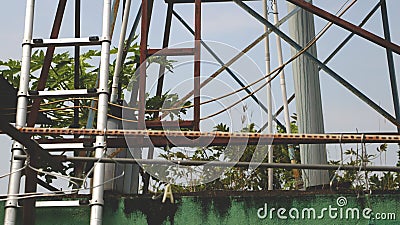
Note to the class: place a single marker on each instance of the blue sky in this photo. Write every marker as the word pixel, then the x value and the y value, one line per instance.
pixel 229 29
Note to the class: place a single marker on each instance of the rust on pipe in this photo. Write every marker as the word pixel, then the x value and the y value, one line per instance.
pixel 121 142
pixel 156 124
pixel 222 138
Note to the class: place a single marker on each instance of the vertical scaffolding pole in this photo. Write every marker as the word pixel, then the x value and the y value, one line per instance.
pixel 283 90
pixel 390 61
pixel 17 148
pixel 112 170
pixel 197 58
pixel 308 97
pixel 75 123
pixel 30 175
pixel 93 104
pixel 97 201
pixel 44 73
pixel 269 99
pixel 120 59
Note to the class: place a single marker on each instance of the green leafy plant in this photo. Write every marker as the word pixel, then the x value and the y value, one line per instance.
pixel 236 178
pixel 166 101
pixel 61 77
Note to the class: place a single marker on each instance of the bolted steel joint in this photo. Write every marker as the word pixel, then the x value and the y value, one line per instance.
pixel 26 42
pixel 17 146
pixel 96 202
pixel 13 203
pixel 105 39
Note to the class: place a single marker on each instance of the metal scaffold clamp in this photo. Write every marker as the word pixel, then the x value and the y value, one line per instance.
pixel 96 202
pixel 168 194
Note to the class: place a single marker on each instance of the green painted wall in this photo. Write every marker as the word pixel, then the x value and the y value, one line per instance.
pixel 213 208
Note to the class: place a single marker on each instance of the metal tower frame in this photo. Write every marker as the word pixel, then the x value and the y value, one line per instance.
pixel 27 152
pixel 24 94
